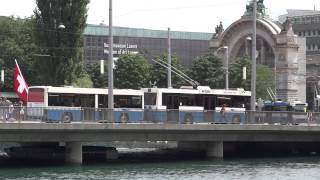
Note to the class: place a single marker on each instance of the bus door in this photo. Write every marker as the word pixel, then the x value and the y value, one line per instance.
pixel 87 103
pixel 209 102
pixel 209 107
pixel 172 108
pixel 172 102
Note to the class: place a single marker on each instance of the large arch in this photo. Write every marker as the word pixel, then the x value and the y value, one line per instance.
pixel 235 37
pixel 277 46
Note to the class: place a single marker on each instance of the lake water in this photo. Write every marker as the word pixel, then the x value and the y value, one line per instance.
pixel 262 168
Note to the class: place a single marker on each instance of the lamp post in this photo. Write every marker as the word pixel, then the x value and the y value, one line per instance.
pixel 253 70
pixel 110 66
pixel 226 54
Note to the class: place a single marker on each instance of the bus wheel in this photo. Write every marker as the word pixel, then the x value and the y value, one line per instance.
pixel 124 118
pixel 236 119
pixel 67 117
pixel 188 119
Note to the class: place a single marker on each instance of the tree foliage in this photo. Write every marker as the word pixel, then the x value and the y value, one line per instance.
pixel 16 42
pixel 208 71
pixel 265 77
pixel 84 82
pixel 159 74
pixel 63 45
pixel 131 71
pixel 236 74
pixel 99 80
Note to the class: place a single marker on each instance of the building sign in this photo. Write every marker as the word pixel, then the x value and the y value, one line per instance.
pixel 119 49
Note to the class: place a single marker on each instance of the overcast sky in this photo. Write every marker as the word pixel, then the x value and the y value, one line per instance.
pixel 179 15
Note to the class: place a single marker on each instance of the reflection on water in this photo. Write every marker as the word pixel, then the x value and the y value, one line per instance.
pixel 264 168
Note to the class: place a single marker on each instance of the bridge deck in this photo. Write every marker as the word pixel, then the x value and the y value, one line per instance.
pixel 100 132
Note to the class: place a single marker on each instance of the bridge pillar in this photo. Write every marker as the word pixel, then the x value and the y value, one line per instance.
pixel 74 152
pixel 215 150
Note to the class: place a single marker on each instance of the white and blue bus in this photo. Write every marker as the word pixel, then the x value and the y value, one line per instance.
pixel 69 104
pixel 199 105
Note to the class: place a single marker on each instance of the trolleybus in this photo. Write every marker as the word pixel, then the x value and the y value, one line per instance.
pixel 66 104
pixel 199 105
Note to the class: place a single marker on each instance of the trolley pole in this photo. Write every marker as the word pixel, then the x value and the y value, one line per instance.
pixel 110 66
pixel 169 59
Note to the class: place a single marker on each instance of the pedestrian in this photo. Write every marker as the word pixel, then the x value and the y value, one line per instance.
pixel 20 111
pixel 2 108
pixel 223 113
pixel 8 109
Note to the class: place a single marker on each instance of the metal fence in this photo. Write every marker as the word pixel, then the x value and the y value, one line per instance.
pixel 18 114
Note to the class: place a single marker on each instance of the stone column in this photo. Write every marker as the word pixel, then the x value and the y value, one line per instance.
pixel 290 63
pixel 74 152
pixel 215 150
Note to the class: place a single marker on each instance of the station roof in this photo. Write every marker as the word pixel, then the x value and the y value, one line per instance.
pixel 103 30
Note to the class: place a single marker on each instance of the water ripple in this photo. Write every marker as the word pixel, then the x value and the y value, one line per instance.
pixel 250 169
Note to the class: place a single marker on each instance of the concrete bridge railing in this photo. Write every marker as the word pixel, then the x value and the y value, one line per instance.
pixel 134 115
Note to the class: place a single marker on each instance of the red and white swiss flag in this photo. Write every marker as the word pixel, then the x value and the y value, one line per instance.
pixel 19 84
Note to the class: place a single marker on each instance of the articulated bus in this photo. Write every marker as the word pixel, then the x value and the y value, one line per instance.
pixel 159 105
pixel 66 104
pixel 201 105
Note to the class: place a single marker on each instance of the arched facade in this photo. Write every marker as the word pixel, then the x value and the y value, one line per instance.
pixel 277 47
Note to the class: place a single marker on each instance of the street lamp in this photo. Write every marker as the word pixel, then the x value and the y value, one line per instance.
pixel 110 66
pixel 253 65
pixel 247 44
pixel 226 52
pixel 61 26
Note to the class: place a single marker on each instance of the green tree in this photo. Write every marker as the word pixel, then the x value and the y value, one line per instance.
pixel 265 79
pixel 208 71
pixel 64 45
pixel 131 71
pixel 99 80
pixel 236 73
pixel 84 82
pixel 16 42
pixel 159 74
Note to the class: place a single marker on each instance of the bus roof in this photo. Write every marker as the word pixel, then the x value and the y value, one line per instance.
pixel 229 92
pixel 70 90
pixel 171 90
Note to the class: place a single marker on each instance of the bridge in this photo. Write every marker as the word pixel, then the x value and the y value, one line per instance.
pixel 206 136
